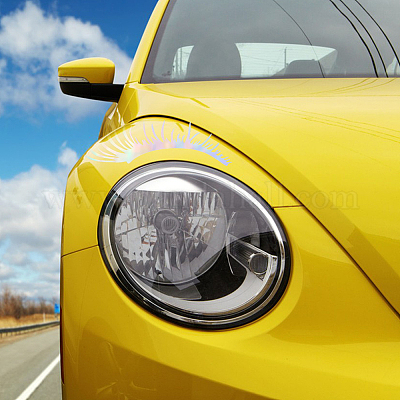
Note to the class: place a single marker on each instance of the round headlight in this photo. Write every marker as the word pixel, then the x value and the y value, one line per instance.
pixel 194 245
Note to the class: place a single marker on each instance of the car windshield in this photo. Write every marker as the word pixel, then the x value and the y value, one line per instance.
pixel 253 39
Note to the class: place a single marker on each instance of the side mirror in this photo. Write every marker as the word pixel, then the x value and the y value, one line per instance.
pixel 90 78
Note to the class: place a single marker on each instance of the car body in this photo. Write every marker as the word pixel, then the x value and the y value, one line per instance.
pixel 309 149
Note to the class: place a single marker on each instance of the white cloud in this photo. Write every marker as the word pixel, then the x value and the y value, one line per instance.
pixel 67 157
pixel 34 43
pixel 5 271
pixel 31 226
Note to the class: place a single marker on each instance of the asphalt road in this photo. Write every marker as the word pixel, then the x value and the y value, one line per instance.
pixel 23 360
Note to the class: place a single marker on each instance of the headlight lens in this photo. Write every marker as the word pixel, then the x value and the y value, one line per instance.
pixel 194 245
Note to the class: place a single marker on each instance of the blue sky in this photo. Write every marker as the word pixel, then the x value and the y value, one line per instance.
pixel 123 23
pixel 44 132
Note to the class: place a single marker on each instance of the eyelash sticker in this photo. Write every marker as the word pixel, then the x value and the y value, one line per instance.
pixel 127 147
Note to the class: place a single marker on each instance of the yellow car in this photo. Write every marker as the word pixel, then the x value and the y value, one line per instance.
pixel 235 231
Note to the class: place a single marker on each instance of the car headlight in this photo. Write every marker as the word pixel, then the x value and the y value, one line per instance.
pixel 194 245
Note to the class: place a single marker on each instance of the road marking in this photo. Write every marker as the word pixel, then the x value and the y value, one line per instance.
pixel 35 384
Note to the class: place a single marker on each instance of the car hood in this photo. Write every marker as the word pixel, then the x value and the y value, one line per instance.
pixel 333 143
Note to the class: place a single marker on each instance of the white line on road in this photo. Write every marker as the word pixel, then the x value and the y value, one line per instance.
pixel 35 384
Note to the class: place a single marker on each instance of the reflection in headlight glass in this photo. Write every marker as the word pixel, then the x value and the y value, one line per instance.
pixel 170 237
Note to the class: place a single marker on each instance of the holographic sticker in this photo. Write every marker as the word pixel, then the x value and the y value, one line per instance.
pixel 126 148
